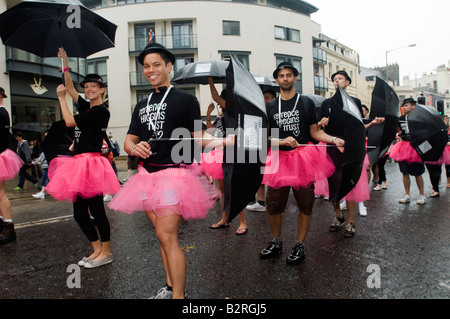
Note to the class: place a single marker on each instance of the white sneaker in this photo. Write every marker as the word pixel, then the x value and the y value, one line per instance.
pixel 421 200
pixel 107 198
pixel 256 207
pixel 343 205
pixel 39 195
pixel 405 200
pixel 125 179
pixel 362 209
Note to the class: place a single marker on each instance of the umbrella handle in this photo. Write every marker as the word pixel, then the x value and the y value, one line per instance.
pixel 62 71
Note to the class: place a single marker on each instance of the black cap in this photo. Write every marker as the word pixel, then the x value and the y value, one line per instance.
pixel 156 48
pixel 2 92
pixel 93 78
pixel 342 72
pixel 409 100
pixel 284 65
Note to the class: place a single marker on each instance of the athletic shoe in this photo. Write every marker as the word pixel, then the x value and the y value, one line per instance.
pixel 107 198
pixel 405 200
pixel 343 205
pixel 362 209
pixel 256 207
pixel 349 230
pixel 297 255
pixel 163 293
pixel 18 188
pixel 421 200
pixel 39 195
pixel 337 224
pixel 274 249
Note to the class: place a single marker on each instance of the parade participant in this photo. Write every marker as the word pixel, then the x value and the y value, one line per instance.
pixel 24 152
pixel 332 117
pixel 407 157
pixel 212 161
pixel 87 176
pixel 292 165
pixel 10 164
pixel 166 188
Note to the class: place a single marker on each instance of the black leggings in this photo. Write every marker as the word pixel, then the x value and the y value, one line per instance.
pixel 381 171
pixel 435 174
pixel 81 209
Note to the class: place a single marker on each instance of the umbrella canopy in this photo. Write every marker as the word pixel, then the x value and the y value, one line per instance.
pixel 42 26
pixel 355 146
pixel 198 72
pixel 317 99
pixel 428 132
pixel 266 82
pixel 245 113
pixel 58 140
pixel 26 127
pixel 385 103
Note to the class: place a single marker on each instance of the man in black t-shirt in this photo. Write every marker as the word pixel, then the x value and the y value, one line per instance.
pixel 294 116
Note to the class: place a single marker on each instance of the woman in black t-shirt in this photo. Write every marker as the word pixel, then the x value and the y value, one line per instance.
pixel 87 176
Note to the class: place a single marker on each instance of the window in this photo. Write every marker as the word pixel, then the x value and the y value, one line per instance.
pixel 142 34
pixel 98 66
pixel 182 34
pixel 181 61
pixel 288 34
pixel 243 57
pixel 297 63
pixel 231 27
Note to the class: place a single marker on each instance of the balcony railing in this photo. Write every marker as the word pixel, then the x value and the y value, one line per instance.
pixel 181 42
pixel 319 55
pixel 320 83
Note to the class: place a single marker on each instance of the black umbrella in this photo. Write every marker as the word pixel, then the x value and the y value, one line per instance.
pixel 385 103
pixel 245 113
pixel 266 82
pixel 21 126
pixel 58 140
pixel 42 26
pixel 198 72
pixel 428 132
pixel 355 148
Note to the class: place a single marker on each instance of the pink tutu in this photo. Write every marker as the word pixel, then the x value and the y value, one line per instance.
pixel 87 175
pixel 184 190
pixel 445 158
pixel 211 164
pixel 298 168
pixel 321 188
pixel 404 152
pixel 10 164
pixel 361 191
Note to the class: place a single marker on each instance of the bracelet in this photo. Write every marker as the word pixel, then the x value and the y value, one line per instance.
pixel 333 140
pixel 132 149
pixel 65 69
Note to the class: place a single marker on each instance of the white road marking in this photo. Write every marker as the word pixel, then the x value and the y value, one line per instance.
pixel 43 221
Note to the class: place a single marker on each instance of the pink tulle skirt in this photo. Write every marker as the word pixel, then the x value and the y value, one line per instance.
pixel 361 191
pixel 445 158
pixel 10 164
pixel 404 152
pixel 183 191
pixel 211 164
pixel 298 168
pixel 87 175
pixel 321 188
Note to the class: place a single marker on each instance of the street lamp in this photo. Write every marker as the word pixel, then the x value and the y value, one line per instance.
pixel 387 65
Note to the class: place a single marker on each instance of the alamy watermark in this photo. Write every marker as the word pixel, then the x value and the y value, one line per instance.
pixel 374 279
pixel 74 19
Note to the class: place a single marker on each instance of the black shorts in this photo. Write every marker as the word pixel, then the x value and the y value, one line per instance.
pixel 276 199
pixel 133 162
pixel 413 169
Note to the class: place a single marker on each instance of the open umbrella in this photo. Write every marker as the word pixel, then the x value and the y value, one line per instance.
pixel 42 26
pixel 355 148
pixel 58 140
pixel 428 132
pixel 385 103
pixel 266 82
pixel 245 113
pixel 21 126
pixel 198 72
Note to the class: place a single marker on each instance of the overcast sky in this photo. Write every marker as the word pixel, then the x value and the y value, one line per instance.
pixel 373 27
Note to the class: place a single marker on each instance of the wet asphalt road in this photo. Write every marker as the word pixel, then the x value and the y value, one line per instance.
pixel 408 244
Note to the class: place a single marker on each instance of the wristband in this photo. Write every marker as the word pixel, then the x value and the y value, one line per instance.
pixel 132 149
pixel 65 69
pixel 333 140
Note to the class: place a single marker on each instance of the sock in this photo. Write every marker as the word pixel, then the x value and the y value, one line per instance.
pixel 169 287
pixel 277 240
pixel 8 220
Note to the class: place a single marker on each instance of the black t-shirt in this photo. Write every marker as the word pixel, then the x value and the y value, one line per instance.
pixel 4 129
pixel 294 121
pixel 91 127
pixel 332 108
pixel 178 113
pixel 404 129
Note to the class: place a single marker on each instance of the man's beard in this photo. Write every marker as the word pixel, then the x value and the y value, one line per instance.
pixel 287 88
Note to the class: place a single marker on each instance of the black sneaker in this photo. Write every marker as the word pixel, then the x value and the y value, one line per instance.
pixel 274 249
pixel 297 255
pixel 337 224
